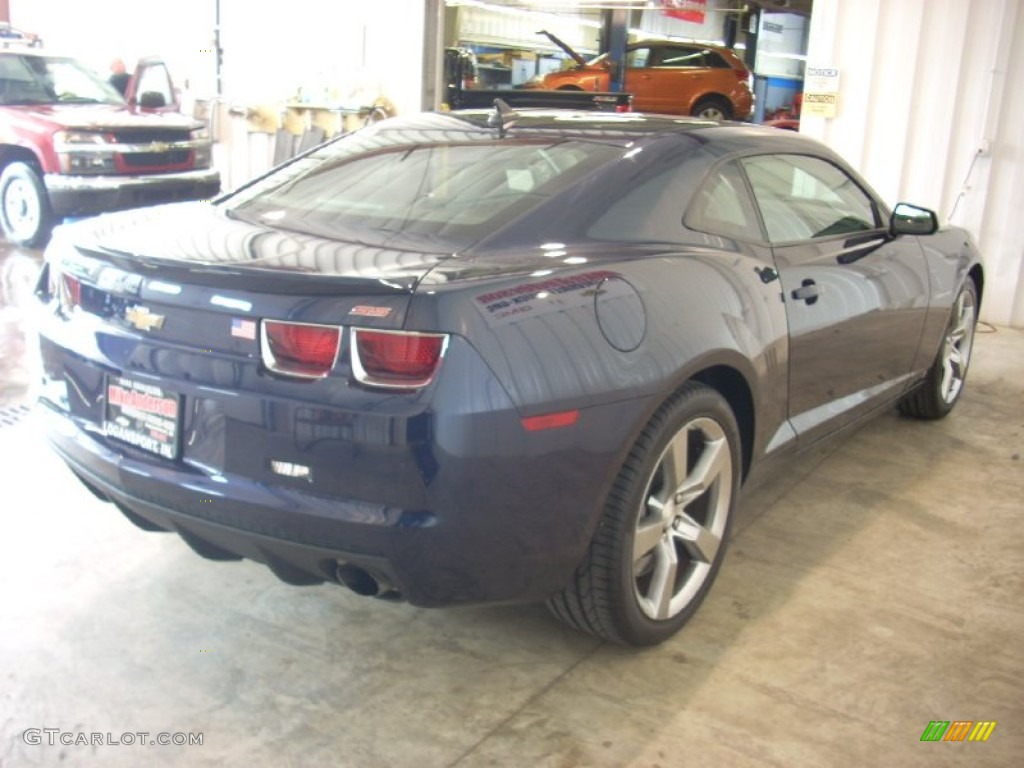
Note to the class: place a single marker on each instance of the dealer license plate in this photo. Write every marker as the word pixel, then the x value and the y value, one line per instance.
pixel 143 415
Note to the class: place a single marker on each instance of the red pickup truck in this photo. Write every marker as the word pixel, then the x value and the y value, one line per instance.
pixel 71 145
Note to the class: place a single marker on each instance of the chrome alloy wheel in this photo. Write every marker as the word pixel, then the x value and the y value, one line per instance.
pixel 956 347
pixel 683 521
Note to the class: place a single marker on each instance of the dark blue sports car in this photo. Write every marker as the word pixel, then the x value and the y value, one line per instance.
pixel 497 356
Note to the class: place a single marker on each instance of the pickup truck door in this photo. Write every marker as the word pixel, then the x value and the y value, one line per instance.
pixel 151 88
pixel 856 297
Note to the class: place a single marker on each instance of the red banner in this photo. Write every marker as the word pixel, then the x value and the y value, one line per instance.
pixel 685 10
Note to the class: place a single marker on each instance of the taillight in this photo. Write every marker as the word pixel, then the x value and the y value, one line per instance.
pixel 623 108
pixel 742 75
pixel 300 349
pixel 396 359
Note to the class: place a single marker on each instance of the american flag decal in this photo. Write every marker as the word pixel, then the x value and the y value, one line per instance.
pixel 243 329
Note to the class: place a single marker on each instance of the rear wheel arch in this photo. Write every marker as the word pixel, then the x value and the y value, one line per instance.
pixel 977 274
pixel 731 384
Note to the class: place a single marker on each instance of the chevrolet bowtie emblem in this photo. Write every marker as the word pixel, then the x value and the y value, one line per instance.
pixel 143 319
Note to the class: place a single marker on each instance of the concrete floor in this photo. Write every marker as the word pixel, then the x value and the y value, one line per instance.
pixel 875 589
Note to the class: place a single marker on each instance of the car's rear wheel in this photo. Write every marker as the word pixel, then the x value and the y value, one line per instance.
pixel 938 393
pixel 664 530
pixel 24 207
pixel 712 108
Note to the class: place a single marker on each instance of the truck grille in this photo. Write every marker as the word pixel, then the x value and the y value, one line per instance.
pixel 156 159
pixel 147 135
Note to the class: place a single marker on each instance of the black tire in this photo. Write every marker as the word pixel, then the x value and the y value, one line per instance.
pixel 25 214
pixel 619 592
pixel 712 108
pixel 936 396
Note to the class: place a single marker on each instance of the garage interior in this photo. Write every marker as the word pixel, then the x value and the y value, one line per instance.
pixel 874 587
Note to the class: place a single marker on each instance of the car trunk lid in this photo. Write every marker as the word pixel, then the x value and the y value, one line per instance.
pixel 203 292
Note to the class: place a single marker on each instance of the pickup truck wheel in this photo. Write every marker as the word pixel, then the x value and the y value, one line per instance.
pixel 712 108
pixel 661 540
pixel 24 207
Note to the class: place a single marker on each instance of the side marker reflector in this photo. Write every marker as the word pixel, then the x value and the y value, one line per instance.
pixel 551 421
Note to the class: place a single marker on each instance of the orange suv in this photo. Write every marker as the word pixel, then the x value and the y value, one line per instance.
pixel 667 77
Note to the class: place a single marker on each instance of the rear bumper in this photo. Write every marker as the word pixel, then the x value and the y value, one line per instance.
pixel 87 195
pixel 449 499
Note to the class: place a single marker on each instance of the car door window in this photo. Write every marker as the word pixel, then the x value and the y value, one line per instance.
pixel 680 57
pixel 803 198
pixel 722 206
pixel 638 57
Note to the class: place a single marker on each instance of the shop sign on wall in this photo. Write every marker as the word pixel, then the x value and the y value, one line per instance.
pixel 821 92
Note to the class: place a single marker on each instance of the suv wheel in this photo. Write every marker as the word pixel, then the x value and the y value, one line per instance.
pixel 712 108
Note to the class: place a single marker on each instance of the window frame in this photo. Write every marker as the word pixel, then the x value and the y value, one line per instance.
pixel 878 208
pixel 694 220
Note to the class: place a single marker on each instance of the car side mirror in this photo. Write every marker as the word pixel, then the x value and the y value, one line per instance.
pixel 908 219
pixel 152 100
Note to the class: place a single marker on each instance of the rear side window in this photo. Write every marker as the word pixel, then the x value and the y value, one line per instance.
pixel 722 206
pixel 802 198
pixel 716 60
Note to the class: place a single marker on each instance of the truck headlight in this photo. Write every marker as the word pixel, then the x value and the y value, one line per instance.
pixel 83 152
pixel 86 162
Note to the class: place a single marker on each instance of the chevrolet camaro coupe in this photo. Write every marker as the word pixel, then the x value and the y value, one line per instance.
pixel 495 355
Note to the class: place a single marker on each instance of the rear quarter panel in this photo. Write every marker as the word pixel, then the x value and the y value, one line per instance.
pixel 628 328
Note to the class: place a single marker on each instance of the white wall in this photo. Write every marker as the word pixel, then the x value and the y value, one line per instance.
pixel 357 48
pixel 98 32
pixel 930 104
pixel 654 21
pixel 353 48
pixel 780 44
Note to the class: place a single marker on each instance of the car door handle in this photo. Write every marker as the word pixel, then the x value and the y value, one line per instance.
pixel 807 292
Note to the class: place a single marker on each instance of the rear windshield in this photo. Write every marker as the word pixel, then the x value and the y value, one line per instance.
pixel 447 195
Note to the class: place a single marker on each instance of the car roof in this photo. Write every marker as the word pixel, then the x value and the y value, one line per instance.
pixel 627 130
pixel 624 127
pixel 679 44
